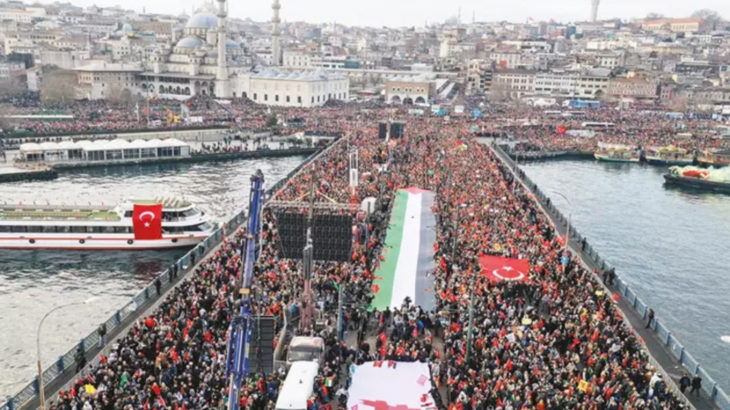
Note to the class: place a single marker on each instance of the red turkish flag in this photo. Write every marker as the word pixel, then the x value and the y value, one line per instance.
pixel 147 221
pixel 562 129
pixel 498 268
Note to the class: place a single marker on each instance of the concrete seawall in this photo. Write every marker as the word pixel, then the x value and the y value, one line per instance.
pixel 37 175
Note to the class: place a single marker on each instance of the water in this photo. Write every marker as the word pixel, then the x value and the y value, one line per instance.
pixel 670 245
pixel 33 282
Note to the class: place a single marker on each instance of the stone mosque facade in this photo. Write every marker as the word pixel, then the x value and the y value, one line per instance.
pixel 205 60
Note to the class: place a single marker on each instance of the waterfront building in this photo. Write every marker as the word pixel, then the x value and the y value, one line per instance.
pixel 296 88
pixel 405 90
pixel 100 80
pixel 593 82
pixel 513 83
pixel 635 87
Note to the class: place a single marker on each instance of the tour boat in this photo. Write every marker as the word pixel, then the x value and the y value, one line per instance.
pixel 669 155
pixel 133 225
pixel 617 153
pixel 717 158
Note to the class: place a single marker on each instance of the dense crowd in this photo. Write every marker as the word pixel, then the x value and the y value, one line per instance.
pixel 554 341
pixel 551 129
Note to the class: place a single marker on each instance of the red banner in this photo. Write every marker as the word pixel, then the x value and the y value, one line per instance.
pixel 498 268
pixel 561 129
pixel 147 221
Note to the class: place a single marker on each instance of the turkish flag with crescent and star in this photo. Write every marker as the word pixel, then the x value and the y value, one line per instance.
pixel 498 268
pixel 147 221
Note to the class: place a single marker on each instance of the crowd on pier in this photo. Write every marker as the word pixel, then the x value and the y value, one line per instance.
pixel 556 340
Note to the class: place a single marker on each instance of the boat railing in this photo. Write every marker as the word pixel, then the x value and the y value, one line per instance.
pixel 671 344
pixel 64 367
pixel 54 207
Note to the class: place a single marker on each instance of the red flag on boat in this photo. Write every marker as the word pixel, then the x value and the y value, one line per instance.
pixel 147 221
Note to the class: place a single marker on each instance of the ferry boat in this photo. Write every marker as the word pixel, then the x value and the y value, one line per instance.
pixel 133 225
pixel 717 180
pixel 714 157
pixel 617 153
pixel 669 155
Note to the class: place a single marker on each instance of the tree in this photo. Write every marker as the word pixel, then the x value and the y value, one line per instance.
pixel 11 86
pixel 119 95
pixel 498 92
pixel 710 18
pixel 58 86
pixel 272 121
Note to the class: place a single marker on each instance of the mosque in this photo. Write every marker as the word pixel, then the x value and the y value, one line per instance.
pixel 207 61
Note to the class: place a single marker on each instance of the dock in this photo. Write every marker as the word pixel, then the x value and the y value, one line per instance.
pixel 10 173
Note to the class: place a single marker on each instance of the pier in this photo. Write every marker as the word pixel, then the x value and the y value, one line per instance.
pixel 13 174
pixel 9 173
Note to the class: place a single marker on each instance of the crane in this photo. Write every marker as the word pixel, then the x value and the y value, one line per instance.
pixel 239 340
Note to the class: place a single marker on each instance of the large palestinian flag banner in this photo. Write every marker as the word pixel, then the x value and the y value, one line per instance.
pixel 408 253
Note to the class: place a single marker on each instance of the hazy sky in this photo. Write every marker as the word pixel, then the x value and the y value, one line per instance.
pixel 417 12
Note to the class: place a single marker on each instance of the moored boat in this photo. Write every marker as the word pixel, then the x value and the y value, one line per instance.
pixel 692 177
pixel 669 155
pixel 616 153
pixel 133 225
pixel 690 182
pixel 714 157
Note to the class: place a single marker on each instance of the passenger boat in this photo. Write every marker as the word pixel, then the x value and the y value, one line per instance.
pixel 617 153
pixel 714 157
pixel 717 180
pixel 669 155
pixel 133 225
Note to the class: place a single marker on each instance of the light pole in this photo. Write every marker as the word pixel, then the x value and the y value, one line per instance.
pixel 570 213
pixel 38 345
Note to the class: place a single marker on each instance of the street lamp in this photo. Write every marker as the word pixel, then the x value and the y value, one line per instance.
pixel 38 345
pixel 570 212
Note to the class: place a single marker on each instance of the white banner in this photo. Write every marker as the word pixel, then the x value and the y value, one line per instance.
pixel 353 178
pixel 388 385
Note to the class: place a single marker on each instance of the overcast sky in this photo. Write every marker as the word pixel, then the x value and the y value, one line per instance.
pixel 417 12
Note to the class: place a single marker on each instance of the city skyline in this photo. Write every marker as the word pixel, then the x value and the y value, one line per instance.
pixel 418 13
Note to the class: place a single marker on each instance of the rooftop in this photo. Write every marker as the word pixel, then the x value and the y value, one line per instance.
pixel 17 214
pixel 112 67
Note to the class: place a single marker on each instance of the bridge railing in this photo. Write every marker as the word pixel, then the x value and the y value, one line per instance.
pixel 142 301
pixel 719 397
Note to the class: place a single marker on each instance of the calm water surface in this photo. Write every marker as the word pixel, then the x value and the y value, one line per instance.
pixel 33 282
pixel 670 245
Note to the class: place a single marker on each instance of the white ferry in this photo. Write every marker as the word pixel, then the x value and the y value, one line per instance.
pixel 25 226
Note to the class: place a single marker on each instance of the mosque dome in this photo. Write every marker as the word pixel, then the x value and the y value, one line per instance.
pixel 232 44
pixel 190 42
pixel 203 19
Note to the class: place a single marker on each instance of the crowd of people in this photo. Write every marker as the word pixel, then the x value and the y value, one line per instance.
pixel 550 129
pixel 556 340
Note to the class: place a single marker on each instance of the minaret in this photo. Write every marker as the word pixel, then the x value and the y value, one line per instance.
pixel 222 89
pixel 594 10
pixel 276 54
